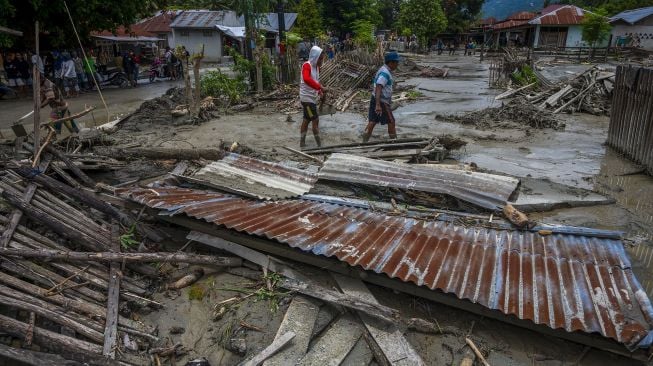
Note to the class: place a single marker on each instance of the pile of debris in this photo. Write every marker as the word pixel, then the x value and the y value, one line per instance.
pixel 516 113
pixel 590 92
pixel 74 284
pixel 410 68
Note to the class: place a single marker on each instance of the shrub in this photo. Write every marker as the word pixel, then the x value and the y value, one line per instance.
pixel 219 85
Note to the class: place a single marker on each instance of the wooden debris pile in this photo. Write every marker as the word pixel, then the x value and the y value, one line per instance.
pixel 74 275
pixel 517 113
pixel 410 68
pixel 408 148
pixel 589 92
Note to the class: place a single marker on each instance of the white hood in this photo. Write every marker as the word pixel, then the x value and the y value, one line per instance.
pixel 314 55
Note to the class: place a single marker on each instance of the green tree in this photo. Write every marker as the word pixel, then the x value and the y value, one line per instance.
pixel 461 14
pixel 309 22
pixel 424 18
pixel 364 33
pixel 88 15
pixel 342 15
pixel 389 10
pixel 6 12
pixel 596 28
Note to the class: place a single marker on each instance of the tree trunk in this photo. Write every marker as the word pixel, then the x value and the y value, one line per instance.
pixel 197 96
pixel 126 257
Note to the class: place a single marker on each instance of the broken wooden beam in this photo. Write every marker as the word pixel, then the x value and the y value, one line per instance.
pixel 299 319
pixel 163 257
pixel 73 168
pixel 17 214
pixel 390 339
pixel 86 198
pixel 270 350
pixel 113 298
pixel 160 153
pixel 335 344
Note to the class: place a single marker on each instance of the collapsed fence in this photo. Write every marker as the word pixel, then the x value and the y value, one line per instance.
pixel 631 121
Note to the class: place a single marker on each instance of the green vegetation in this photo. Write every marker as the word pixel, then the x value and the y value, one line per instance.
pixel 309 22
pixel 424 18
pixel 196 292
pixel 219 85
pixel 596 28
pixel 524 76
pixel 413 94
pixel 364 34
pixel 128 239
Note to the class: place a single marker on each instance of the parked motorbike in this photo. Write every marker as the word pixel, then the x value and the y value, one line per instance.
pixel 156 72
pixel 114 77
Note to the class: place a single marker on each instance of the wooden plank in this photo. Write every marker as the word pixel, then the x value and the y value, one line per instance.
pixel 360 354
pixel 390 339
pixel 270 350
pixel 113 302
pixel 17 214
pixel 299 319
pixel 335 344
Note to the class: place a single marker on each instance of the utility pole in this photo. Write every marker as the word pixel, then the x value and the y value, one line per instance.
pixel 282 30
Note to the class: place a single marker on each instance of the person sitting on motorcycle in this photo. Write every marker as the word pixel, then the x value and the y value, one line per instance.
pixel 155 68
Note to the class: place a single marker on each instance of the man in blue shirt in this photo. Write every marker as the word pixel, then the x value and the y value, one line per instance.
pixel 380 110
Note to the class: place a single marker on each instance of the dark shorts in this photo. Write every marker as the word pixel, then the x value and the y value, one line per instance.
pixel 310 111
pixel 384 118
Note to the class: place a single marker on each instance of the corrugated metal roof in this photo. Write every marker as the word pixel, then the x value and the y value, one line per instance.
pixel 254 178
pixel 509 24
pixel 484 190
pixel 633 16
pixel 571 282
pixel 206 19
pixel 228 18
pixel 565 15
pixel 522 15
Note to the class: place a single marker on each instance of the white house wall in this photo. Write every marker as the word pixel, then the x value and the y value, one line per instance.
pixel 194 40
pixel 574 36
pixel 643 31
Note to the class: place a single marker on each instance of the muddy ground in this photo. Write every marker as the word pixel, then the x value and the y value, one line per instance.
pixel 553 163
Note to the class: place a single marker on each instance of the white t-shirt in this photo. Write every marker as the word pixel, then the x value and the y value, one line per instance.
pixel 68 69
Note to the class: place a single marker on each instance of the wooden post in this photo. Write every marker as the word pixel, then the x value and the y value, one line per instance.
pixel 36 86
pixel 113 302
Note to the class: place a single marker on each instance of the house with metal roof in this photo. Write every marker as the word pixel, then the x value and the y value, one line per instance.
pixel 633 28
pixel 216 29
pixel 559 26
pixel 514 30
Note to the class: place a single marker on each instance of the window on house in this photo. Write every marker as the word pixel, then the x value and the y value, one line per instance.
pixel 184 33
pixel 208 33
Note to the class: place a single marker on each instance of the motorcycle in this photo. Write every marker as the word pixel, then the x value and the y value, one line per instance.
pixel 114 77
pixel 156 72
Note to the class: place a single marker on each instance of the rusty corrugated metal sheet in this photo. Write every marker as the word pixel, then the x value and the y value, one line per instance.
pixel 565 15
pixel 522 15
pixel 254 178
pixel 484 190
pixel 509 24
pixel 571 282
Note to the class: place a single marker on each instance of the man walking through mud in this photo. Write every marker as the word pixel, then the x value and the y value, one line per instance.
pixel 380 104
pixel 309 91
